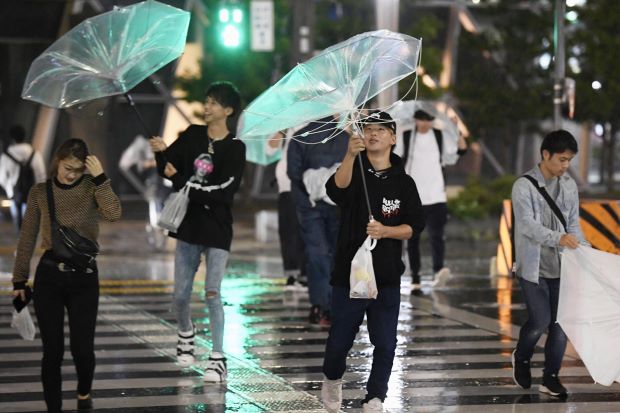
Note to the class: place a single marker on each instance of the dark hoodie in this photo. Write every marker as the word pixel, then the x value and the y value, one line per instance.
pixel 394 200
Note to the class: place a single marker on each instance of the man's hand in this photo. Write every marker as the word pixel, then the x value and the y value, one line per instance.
pixel 157 144
pixel 569 241
pixel 356 145
pixel 93 165
pixel 376 230
pixel 170 170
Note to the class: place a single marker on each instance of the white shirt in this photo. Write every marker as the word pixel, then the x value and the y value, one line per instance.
pixel 9 170
pixel 424 166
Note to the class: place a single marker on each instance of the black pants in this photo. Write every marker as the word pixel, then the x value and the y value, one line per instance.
pixel 436 218
pixel 291 243
pixel 79 293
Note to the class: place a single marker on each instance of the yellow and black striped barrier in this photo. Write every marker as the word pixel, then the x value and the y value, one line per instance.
pixel 598 219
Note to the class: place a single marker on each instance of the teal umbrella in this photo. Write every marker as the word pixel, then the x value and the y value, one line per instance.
pixel 107 55
pixel 341 79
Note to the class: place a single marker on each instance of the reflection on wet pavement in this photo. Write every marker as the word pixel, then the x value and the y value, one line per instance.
pixel 453 350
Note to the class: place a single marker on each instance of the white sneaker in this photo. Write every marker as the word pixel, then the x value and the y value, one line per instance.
pixel 185 348
pixel 373 406
pixel 331 394
pixel 216 371
pixel 295 284
pixel 441 278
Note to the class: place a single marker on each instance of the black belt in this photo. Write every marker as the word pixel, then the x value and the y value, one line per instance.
pixel 62 267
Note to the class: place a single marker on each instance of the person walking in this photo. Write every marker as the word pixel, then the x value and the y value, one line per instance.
pixel 313 151
pixel 425 154
pixel 19 158
pixel 80 199
pixel 397 214
pixel 291 243
pixel 545 202
pixel 210 162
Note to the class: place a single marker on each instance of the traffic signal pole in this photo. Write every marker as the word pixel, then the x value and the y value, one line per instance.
pixel 559 62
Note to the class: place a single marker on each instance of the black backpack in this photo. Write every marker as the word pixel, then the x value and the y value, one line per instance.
pixel 25 179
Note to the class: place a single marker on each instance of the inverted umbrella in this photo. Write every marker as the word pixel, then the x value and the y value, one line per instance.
pixel 589 310
pixel 340 79
pixel 107 55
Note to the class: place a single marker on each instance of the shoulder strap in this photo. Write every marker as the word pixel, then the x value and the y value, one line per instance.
pixel 406 144
pixel 30 158
pixel 550 201
pixel 439 138
pixel 50 201
pixel 11 157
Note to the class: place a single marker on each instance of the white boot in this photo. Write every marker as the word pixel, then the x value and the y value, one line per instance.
pixel 373 406
pixel 331 394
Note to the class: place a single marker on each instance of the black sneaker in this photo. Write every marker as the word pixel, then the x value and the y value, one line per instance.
pixel 521 373
pixel 551 385
pixel 85 404
pixel 315 315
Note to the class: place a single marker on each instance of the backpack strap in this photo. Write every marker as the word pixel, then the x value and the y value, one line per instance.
pixel 407 144
pixel 549 200
pixel 439 138
pixel 11 157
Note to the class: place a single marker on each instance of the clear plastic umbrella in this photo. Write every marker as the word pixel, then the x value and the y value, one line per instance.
pixel 107 54
pixel 341 79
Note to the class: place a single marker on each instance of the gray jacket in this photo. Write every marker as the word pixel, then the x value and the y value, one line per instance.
pixel 528 205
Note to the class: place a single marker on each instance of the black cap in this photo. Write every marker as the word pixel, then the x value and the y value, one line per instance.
pixel 423 115
pixel 383 118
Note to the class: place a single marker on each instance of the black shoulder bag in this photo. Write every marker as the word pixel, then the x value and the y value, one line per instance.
pixel 68 246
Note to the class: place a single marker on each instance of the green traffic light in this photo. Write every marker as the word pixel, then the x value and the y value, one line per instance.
pixel 231 36
pixel 224 15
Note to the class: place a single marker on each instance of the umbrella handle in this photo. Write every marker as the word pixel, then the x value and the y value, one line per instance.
pixel 140 118
pixel 359 158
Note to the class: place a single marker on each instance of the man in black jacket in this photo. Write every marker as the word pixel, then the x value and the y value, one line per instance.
pixel 397 214
pixel 210 163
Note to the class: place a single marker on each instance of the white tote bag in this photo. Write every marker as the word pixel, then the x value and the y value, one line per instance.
pixel 362 278
pixel 22 321
pixel 174 210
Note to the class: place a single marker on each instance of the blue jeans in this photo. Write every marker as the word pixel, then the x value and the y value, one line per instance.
pixel 186 262
pixel 17 213
pixel 319 231
pixel 542 306
pixel 382 321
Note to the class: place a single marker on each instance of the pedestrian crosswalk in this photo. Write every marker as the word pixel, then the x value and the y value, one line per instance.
pixel 443 363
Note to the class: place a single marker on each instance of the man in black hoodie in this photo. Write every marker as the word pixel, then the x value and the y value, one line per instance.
pixel 397 214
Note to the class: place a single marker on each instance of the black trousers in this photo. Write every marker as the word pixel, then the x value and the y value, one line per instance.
pixel 291 243
pixel 55 290
pixel 436 219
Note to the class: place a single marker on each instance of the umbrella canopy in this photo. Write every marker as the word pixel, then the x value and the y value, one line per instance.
pixel 340 79
pixel 107 55
pixel 589 310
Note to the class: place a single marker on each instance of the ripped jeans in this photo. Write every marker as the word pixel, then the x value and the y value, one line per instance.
pixel 186 262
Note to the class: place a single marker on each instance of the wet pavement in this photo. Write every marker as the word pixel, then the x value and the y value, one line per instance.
pixel 453 353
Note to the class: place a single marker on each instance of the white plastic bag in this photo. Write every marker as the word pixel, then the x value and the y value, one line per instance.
pixel 22 321
pixel 362 279
pixel 174 210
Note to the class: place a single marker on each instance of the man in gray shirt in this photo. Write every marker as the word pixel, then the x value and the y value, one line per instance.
pixel 539 237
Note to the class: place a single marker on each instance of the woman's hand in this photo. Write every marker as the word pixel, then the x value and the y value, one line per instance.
pixel 93 165
pixel 21 294
pixel 170 170
pixel 157 144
